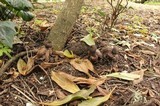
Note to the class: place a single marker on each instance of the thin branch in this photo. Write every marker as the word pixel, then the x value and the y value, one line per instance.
pixel 16 88
pixel 9 62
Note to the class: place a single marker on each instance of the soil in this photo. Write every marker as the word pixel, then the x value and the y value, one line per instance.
pixel 140 50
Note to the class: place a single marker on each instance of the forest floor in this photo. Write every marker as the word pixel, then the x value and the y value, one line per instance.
pixel 132 47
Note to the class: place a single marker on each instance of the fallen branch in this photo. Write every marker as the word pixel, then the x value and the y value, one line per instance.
pixel 9 62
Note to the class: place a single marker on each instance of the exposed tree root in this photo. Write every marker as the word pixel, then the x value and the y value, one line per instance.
pixel 9 62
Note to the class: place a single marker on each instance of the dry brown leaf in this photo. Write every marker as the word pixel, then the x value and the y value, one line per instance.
pixel 142 61
pixel 47 55
pixel 156 70
pixel 46 65
pixel 46 92
pixel 151 93
pixel 81 80
pixel 15 74
pixel 25 68
pixel 141 73
pixel 30 63
pixel 83 65
pixel 148 52
pixel 60 94
pixel 42 51
pixel 101 90
pixel 64 82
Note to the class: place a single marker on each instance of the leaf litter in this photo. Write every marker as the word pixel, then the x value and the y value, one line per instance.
pixel 137 38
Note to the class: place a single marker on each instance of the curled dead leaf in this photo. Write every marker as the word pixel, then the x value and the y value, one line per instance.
pixel 41 51
pixel 46 65
pixel 83 65
pixel 23 67
pixel 141 73
pixel 81 80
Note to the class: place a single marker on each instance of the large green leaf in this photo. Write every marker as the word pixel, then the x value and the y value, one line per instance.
pixel 19 4
pixel 26 16
pixel 7 32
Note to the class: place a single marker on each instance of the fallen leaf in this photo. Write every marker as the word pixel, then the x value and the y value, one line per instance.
pixel 81 80
pixel 42 24
pixel 97 100
pixel 141 62
pixel 124 76
pixel 88 40
pixel 124 43
pixel 151 93
pixel 41 51
pixel 64 83
pixel 30 63
pixel 83 65
pixel 82 94
pixel 46 65
pixel 156 70
pixel 147 52
pixel 30 104
pixel 68 54
pixel 141 73
pixel 47 54
pixel 23 67
pixel 60 94
pixel 46 92
pixel 101 90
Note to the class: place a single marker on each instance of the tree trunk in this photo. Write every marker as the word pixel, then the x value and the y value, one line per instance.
pixel 64 23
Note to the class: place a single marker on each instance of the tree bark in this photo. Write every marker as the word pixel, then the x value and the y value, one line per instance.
pixel 64 23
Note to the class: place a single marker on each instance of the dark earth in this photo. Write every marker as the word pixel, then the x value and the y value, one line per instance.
pixel 130 46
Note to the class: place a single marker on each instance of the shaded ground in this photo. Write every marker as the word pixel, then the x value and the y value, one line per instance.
pixel 136 40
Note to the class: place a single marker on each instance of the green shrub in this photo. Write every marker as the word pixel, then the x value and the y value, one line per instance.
pixel 8 10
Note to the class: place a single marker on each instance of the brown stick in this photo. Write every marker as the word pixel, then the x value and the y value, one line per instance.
pixel 9 62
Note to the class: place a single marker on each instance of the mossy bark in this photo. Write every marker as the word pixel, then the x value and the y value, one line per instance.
pixel 64 23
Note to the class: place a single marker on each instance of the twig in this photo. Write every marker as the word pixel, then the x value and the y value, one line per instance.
pixel 15 87
pixel 24 99
pixel 9 62
pixel 25 84
pixel 47 76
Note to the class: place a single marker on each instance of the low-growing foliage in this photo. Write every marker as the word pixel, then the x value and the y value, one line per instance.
pixel 8 10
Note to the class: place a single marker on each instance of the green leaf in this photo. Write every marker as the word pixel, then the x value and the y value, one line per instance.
pixel 96 101
pixel 88 40
pixel 124 76
pixel 5 50
pixel 26 16
pixel 68 54
pixel 82 94
pixel 19 4
pixel 7 32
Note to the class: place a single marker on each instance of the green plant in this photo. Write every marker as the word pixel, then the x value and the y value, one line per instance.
pixel 11 8
pixel 4 50
pixel 8 10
